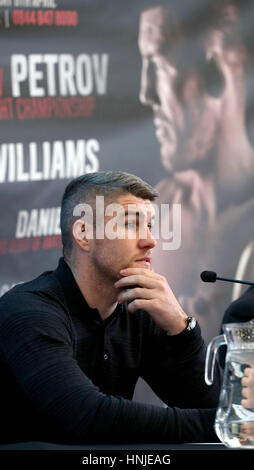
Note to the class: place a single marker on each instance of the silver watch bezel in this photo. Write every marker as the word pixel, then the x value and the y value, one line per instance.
pixel 190 323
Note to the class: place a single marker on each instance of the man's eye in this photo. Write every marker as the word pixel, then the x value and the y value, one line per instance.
pixel 132 224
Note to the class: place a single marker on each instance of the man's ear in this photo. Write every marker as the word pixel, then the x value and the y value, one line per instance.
pixel 80 234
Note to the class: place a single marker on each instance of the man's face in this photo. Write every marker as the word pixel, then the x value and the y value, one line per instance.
pixel 128 250
pixel 185 116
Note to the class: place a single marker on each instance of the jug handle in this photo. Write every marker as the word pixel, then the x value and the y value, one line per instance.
pixel 211 352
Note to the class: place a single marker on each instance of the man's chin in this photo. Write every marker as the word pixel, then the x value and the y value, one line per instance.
pixel 167 162
pixel 168 156
pixel 173 162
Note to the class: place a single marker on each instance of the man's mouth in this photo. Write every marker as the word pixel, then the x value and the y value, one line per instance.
pixel 146 260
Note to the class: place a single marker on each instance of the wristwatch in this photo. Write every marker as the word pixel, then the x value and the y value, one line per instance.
pixel 190 323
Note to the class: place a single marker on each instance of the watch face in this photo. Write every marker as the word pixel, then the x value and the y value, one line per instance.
pixel 191 323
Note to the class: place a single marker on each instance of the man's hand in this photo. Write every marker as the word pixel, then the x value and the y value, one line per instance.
pixel 151 293
pixel 248 387
pixel 247 433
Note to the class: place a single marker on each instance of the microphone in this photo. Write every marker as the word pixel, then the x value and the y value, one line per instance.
pixel 211 276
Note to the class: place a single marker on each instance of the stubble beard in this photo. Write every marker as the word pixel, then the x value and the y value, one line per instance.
pixel 105 271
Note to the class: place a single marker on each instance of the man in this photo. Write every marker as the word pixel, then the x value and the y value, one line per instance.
pixel 74 341
pixel 195 58
pixel 242 308
pixel 245 269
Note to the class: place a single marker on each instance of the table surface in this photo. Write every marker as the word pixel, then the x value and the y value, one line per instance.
pixel 34 445
pixel 152 455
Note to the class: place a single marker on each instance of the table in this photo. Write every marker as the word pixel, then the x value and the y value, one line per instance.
pixel 120 456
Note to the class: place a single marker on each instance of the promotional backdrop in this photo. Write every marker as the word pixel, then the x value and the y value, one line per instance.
pixel 159 89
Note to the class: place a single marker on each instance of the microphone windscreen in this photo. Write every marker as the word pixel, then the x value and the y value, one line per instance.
pixel 208 276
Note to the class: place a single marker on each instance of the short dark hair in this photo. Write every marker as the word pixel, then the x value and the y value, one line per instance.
pixel 84 189
pixel 234 18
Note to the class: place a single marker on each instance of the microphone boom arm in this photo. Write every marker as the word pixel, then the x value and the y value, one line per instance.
pixel 211 276
pixel 235 280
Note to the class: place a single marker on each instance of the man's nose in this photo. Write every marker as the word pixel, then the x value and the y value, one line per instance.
pixel 147 241
pixel 147 94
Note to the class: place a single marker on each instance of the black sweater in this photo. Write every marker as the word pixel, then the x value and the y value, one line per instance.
pixel 68 376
